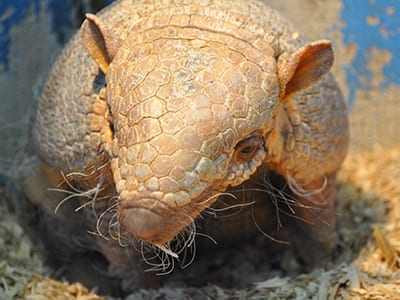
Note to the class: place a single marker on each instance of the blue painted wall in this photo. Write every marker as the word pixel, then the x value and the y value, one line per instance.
pixel 15 11
pixel 11 13
pixel 382 33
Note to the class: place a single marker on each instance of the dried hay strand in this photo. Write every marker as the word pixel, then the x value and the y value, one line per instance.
pixel 367 265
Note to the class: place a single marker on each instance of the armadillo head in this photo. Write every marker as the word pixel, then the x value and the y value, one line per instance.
pixel 191 112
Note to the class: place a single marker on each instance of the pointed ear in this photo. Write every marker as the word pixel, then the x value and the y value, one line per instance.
pixel 101 43
pixel 299 70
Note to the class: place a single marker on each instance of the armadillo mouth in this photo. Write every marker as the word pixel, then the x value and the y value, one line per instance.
pixel 143 223
pixel 149 220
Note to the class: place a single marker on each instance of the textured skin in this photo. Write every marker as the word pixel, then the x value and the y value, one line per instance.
pixel 189 85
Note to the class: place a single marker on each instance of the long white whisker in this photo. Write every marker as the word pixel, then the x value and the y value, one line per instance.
pixel 63 201
pixel 69 184
pixel 167 251
pixel 241 205
pixel 216 196
pixel 208 237
pixel 184 266
pixel 262 231
pixel 300 191
pixel 99 220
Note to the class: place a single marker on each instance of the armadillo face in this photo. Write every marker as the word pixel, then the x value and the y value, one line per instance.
pixel 190 118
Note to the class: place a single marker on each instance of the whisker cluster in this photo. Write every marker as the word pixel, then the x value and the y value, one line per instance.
pixel 162 258
pixel 182 249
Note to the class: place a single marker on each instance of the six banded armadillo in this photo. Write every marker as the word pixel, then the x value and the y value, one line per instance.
pixel 157 107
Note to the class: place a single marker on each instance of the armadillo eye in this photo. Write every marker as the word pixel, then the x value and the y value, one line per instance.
pixel 247 148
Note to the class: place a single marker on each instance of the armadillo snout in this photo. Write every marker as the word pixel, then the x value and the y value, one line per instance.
pixel 143 223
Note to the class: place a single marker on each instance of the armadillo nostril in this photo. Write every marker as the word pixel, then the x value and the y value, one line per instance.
pixel 142 223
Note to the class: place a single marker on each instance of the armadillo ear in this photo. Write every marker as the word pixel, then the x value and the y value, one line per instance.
pixel 101 43
pixel 299 70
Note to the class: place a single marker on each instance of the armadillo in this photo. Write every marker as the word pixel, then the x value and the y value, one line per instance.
pixel 155 108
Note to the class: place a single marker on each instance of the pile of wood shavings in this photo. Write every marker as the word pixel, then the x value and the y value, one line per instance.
pixel 368 262
pixel 369 208
pixel 41 288
pixel 378 173
pixel 20 258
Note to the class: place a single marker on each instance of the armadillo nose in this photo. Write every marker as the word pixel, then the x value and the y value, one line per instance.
pixel 142 223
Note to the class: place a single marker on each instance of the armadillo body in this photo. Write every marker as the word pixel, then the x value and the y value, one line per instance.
pixel 157 107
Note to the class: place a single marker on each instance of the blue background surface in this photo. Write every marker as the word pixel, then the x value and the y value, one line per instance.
pixel 15 11
pixel 354 15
